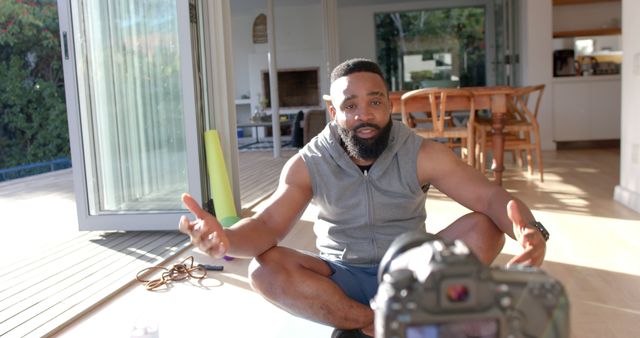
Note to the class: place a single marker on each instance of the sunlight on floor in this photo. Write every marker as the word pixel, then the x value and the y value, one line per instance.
pixel 593 250
pixel 578 235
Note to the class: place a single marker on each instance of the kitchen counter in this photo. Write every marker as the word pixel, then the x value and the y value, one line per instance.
pixel 590 78
pixel 586 108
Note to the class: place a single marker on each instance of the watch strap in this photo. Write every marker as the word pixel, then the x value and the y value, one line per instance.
pixel 541 228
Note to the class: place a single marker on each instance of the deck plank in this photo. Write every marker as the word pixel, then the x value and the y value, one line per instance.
pixel 64 272
pixel 259 174
pixel 78 302
pixel 48 286
pixel 63 294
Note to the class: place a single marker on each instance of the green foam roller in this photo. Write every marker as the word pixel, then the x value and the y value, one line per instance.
pixel 229 221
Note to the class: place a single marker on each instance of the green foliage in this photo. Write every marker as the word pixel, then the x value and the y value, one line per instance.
pixel 33 119
pixel 422 75
pixel 458 31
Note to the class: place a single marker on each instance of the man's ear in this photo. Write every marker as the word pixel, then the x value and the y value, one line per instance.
pixel 332 112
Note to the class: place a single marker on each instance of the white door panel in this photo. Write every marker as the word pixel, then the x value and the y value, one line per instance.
pixel 131 106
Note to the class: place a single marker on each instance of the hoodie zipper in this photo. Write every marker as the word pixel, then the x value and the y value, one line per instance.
pixel 370 211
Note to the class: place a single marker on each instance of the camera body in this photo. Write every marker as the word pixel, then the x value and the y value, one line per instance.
pixel 431 288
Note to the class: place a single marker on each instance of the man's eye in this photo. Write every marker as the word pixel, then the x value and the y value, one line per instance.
pixel 376 102
pixel 349 107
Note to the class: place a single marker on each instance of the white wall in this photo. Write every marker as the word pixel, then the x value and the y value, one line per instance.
pixel 299 44
pixel 628 191
pixel 536 59
pixel 241 30
pixel 587 16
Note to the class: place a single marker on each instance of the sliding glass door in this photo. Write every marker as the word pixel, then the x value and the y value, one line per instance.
pixel 506 41
pixel 131 106
pixel 437 47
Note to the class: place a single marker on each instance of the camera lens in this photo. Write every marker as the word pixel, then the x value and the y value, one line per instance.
pixel 457 293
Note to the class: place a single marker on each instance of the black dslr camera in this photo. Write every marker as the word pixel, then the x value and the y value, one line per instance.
pixel 431 288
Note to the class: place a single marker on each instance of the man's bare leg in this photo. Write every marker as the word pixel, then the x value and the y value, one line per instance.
pixel 300 284
pixel 479 233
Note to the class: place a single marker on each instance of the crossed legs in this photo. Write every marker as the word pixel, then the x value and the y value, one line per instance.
pixel 299 283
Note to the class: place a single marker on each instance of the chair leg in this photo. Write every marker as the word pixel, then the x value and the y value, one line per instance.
pixel 464 150
pixel 529 161
pixel 470 145
pixel 513 156
pixel 476 150
pixel 539 155
pixel 517 157
pixel 483 152
pixel 478 155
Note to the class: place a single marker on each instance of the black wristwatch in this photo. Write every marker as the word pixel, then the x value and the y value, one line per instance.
pixel 541 228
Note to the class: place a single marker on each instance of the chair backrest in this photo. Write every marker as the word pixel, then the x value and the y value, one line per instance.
pixel 521 102
pixel 438 104
pixel 313 123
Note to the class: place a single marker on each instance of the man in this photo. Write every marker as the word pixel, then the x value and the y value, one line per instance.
pixel 367 175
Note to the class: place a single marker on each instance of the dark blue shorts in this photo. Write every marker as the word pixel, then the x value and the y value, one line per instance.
pixel 359 283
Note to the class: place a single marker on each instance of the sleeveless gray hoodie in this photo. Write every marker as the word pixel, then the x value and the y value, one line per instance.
pixel 360 213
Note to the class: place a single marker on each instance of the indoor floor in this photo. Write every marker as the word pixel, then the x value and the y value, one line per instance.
pixel 592 250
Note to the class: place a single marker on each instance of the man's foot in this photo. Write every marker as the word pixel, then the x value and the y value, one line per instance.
pixel 352 333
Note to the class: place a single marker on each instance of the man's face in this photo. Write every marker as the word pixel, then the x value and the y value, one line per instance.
pixel 362 111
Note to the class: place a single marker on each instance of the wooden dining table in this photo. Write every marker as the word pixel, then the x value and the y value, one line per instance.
pixel 493 99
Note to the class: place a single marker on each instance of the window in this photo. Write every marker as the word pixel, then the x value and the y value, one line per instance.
pixel 584 46
pixel 432 48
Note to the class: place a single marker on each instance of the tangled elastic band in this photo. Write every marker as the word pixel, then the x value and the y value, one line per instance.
pixel 179 271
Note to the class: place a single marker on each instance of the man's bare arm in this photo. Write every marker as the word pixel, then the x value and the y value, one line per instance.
pixel 438 165
pixel 260 232
pixel 254 235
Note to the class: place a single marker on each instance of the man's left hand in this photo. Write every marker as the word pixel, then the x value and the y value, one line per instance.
pixel 530 238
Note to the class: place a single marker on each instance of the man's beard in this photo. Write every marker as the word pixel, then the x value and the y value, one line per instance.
pixel 365 149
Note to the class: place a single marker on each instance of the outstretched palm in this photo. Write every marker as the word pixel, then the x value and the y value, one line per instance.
pixel 205 231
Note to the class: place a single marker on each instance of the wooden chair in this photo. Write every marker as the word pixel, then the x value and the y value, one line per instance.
pixel 521 130
pixel 312 124
pixel 437 104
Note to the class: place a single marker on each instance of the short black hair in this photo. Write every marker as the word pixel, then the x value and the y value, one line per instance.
pixel 355 66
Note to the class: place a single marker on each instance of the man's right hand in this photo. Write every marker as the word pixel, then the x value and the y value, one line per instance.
pixel 205 231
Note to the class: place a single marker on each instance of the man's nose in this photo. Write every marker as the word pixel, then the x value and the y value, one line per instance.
pixel 365 114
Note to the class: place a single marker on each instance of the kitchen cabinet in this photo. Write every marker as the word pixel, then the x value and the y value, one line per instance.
pixel 587 32
pixel 586 108
pixel 577 2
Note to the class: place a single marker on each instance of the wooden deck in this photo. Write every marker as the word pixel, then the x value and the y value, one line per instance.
pixel 40 294
pixel 51 274
pixel 259 174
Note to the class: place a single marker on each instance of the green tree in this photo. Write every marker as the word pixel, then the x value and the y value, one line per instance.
pixel 33 119
pixel 458 31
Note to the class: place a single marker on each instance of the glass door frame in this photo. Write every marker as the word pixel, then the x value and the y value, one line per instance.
pixel 489 26
pixel 507 44
pixel 153 220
